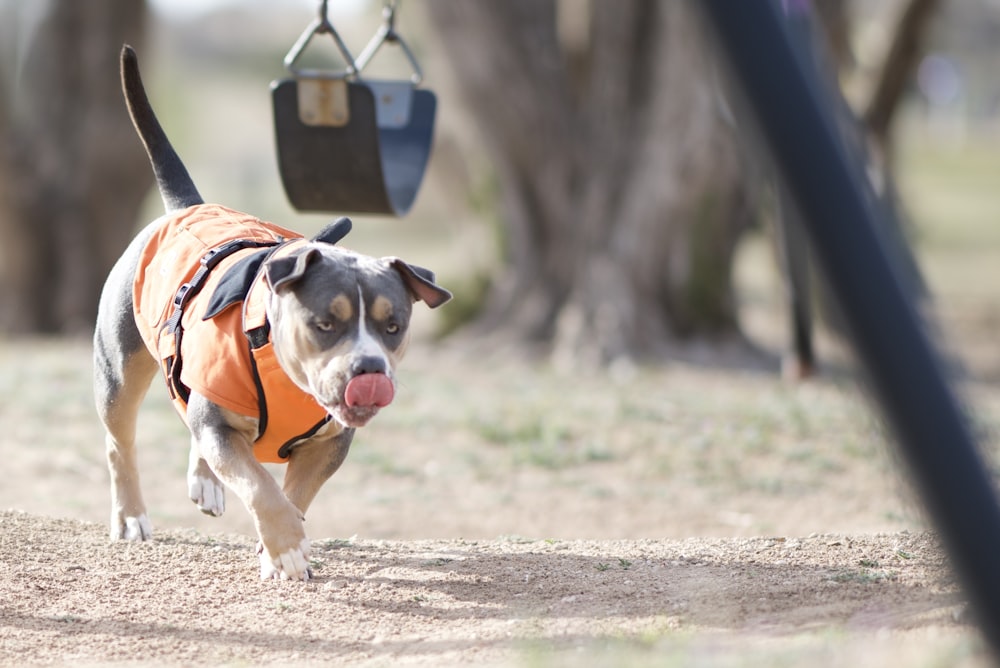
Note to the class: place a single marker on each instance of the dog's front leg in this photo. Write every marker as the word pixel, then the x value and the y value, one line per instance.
pixel 225 441
pixel 204 487
pixel 311 464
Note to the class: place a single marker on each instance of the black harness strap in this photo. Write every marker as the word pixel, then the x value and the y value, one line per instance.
pixel 185 293
pixel 256 338
pixel 285 450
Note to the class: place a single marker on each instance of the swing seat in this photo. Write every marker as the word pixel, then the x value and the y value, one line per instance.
pixel 352 146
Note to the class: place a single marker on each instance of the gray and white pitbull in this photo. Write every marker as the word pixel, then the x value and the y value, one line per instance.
pixel 334 323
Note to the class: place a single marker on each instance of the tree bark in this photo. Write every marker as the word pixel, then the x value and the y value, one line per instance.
pixel 833 17
pixel 73 174
pixel 897 70
pixel 622 191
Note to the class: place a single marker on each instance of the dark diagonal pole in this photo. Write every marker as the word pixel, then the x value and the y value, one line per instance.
pixel 794 111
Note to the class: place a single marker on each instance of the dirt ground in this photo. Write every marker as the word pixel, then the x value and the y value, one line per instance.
pixel 70 597
pixel 499 513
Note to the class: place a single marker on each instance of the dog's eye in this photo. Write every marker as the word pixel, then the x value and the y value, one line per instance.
pixel 325 325
pixel 392 328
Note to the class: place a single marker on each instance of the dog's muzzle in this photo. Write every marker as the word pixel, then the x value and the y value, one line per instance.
pixel 363 397
pixel 369 390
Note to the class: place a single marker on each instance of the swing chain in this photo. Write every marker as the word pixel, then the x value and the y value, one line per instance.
pixel 387 33
pixel 389 8
pixel 353 66
pixel 321 25
pixel 323 14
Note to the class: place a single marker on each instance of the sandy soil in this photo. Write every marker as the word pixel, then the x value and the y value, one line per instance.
pixel 187 598
pixel 499 514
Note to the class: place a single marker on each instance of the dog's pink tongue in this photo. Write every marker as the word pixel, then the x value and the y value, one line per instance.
pixel 369 389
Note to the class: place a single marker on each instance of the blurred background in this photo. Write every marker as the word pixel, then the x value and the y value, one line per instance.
pixel 591 196
pixel 595 199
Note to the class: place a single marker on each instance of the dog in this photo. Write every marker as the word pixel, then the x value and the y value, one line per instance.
pixel 275 348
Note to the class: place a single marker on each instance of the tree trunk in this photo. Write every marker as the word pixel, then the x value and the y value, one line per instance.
pixel 897 71
pixel 833 17
pixel 73 173
pixel 622 192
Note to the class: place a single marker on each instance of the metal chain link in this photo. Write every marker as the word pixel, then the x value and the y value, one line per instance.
pixel 385 33
pixel 321 25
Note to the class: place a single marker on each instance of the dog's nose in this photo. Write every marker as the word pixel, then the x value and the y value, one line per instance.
pixel 368 364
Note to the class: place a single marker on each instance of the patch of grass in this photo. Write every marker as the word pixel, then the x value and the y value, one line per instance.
pixel 468 297
pixel 634 410
pixel 595 452
pixel 529 429
pixel 67 618
pixel 334 543
pixel 771 485
pixel 952 192
pixel 538 441
pixel 438 561
pixel 668 644
pixel 864 576
pixel 380 462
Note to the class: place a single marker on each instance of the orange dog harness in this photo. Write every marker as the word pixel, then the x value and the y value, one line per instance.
pixel 193 273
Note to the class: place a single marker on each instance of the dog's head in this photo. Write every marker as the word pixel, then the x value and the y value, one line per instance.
pixel 340 324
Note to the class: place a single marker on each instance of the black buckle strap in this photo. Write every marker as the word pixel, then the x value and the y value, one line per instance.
pixel 216 255
pixel 208 262
pixel 186 292
pixel 286 449
pixel 259 336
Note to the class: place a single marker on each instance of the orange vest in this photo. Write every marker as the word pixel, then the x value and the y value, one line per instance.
pixel 193 273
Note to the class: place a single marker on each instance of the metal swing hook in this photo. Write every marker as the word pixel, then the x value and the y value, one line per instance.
pixel 321 25
pixel 387 33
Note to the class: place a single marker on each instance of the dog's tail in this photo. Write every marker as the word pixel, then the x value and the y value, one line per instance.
pixel 176 187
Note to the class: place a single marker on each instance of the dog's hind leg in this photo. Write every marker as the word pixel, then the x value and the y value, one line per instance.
pixel 119 389
pixel 123 370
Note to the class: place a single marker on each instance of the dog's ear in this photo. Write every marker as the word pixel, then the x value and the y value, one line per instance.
pixel 420 283
pixel 335 231
pixel 281 272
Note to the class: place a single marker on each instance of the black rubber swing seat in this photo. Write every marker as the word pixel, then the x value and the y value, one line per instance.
pixel 347 143
pixel 371 162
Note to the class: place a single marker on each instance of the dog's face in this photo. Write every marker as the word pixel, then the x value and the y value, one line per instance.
pixel 340 324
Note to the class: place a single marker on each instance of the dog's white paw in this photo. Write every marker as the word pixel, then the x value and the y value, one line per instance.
pixel 208 493
pixel 131 528
pixel 292 564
